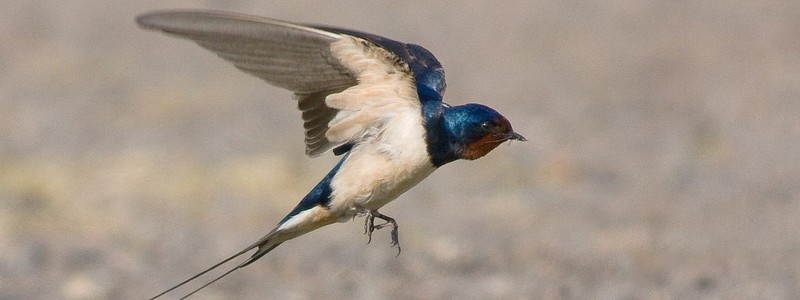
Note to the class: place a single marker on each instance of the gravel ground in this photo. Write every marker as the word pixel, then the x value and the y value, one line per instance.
pixel 663 161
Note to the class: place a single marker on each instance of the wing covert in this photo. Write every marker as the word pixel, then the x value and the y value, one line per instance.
pixel 348 84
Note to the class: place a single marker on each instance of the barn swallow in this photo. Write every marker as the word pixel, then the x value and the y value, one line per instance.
pixel 373 101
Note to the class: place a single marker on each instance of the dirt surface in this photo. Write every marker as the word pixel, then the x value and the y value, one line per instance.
pixel 663 161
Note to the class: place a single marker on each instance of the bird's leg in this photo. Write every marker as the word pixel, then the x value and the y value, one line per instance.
pixel 369 227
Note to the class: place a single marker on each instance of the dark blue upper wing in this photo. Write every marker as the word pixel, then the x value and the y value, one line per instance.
pixel 428 72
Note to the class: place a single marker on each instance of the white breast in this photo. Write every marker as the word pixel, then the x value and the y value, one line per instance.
pixel 383 166
pixel 382 117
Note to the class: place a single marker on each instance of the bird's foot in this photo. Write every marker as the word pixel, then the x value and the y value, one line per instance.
pixel 369 227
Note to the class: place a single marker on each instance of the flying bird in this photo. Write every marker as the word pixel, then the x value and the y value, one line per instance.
pixel 373 101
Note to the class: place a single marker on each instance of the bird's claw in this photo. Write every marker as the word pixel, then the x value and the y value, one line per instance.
pixel 369 227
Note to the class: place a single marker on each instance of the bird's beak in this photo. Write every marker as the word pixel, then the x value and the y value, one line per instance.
pixel 515 136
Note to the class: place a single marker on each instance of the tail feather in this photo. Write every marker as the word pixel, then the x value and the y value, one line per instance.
pixel 264 246
pixel 262 250
pixel 210 282
pixel 298 224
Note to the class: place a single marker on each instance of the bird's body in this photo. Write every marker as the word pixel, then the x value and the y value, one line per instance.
pixel 375 101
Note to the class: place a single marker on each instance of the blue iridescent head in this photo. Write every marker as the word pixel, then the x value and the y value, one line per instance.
pixel 475 130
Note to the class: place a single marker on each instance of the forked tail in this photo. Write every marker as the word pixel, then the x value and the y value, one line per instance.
pixel 263 248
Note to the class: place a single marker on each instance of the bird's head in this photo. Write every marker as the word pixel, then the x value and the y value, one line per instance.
pixel 475 130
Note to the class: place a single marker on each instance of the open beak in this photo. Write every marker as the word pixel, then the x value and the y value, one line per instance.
pixel 515 136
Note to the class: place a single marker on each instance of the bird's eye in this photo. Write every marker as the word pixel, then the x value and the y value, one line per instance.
pixel 488 126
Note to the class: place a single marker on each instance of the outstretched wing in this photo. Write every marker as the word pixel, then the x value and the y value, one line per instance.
pixel 347 83
pixel 427 70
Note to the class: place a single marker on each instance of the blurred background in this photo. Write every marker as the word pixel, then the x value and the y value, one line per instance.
pixel 663 161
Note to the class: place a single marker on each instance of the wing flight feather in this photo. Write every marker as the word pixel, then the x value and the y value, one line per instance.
pixel 346 86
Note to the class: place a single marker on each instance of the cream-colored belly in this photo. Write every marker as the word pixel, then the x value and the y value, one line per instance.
pixel 371 178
